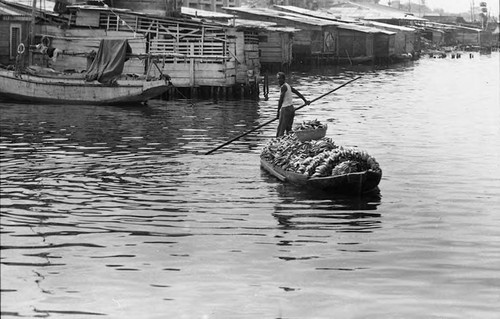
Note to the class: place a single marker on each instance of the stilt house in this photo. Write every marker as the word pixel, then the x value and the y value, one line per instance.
pixel 320 40
pixel 386 39
pixel 405 39
pixel 274 43
pixel 195 54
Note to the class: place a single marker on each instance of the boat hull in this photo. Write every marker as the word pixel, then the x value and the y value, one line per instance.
pixel 353 184
pixel 35 89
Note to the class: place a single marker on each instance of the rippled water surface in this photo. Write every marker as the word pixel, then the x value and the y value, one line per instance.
pixel 116 212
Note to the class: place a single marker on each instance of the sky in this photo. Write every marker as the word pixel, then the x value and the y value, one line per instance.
pixel 457 6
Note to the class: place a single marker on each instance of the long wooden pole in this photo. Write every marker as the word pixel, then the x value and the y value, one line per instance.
pixel 272 120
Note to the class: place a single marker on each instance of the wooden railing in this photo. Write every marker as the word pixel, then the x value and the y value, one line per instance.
pixel 209 51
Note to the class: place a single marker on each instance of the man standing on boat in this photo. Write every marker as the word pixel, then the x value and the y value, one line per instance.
pixel 286 110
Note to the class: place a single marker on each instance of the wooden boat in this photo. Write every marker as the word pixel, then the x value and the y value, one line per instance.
pixel 353 184
pixel 102 83
pixel 63 89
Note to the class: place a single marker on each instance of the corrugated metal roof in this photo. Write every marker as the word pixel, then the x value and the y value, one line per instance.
pixel 6 10
pixel 343 24
pixel 45 5
pixel 99 8
pixel 389 26
pixel 443 26
pixel 466 28
pixel 320 13
pixel 268 26
pixel 371 11
pixel 255 23
pixel 204 13
pixel 308 20
pixel 264 12
pixel 366 29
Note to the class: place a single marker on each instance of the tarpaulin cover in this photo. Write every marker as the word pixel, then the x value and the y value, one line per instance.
pixel 109 61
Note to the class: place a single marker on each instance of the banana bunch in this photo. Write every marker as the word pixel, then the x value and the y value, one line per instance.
pixel 308 125
pixel 313 164
pixel 316 158
pixel 345 168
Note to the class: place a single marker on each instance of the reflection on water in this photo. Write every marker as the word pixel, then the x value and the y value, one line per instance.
pixel 316 210
pixel 116 212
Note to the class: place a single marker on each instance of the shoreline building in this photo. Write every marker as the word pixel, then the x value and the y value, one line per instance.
pixel 199 57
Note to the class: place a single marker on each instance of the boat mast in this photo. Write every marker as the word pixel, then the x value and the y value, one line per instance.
pixel 472 18
pixel 32 35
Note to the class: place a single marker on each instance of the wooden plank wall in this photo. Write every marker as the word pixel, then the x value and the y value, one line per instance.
pixel 196 74
pixel 317 42
pixel 239 55
pixel 410 44
pixel 437 37
pixel 355 44
pixel 369 43
pixel 286 44
pixel 193 54
pixel 252 58
pixel 87 19
pixel 5 43
pixel 246 55
pixel 392 41
pixel 163 7
pixel 400 42
pixel 271 47
pixel 302 43
pixel 5 39
pixel 381 47
pixel 486 39
pixel 79 43
pixel 276 51
pixel 468 38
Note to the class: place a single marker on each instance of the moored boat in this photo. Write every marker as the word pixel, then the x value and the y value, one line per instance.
pixel 62 89
pixel 103 82
pixel 321 165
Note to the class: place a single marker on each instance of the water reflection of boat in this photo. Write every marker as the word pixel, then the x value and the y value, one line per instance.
pixel 317 210
pixel 360 222
pixel 353 183
pixel 293 193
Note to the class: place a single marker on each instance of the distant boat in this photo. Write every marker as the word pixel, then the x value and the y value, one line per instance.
pixel 60 88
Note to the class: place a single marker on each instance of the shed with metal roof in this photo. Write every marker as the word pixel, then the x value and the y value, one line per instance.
pixel 405 42
pixel 319 39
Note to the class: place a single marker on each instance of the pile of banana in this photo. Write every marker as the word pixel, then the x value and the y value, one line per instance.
pixel 316 158
pixel 309 125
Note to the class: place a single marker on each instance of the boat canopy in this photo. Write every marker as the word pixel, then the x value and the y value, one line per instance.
pixel 109 61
